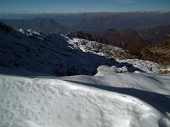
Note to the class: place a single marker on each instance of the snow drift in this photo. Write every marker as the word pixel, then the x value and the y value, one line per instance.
pixel 107 99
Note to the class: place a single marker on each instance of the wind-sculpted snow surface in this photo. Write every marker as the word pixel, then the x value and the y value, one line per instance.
pixel 108 99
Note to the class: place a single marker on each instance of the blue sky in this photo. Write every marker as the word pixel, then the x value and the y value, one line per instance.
pixel 83 5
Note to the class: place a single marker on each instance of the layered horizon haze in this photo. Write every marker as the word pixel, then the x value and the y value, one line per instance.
pixel 62 6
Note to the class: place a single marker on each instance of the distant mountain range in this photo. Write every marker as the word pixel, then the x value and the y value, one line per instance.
pixel 92 23
pixel 97 22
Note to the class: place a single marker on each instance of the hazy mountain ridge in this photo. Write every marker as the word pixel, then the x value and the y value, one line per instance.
pixel 95 23
pixel 40 24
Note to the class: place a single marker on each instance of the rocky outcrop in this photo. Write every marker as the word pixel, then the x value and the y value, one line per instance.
pixel 91 37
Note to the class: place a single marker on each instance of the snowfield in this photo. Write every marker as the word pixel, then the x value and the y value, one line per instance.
pixel 108 99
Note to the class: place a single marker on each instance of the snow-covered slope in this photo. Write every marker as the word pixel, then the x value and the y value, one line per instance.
pixel 48 53
pixel 57 54
pixel 108 99
pixel 45 53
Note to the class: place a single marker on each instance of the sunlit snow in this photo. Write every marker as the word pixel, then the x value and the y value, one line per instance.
pixel 107 99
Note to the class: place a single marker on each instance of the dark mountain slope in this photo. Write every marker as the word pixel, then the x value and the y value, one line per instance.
pixel 159 53
pixel 126 38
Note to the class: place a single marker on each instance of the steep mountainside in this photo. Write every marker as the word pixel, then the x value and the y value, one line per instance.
pixel 54 53
pixel 39 24
pixel 126 38
pixel 157 34
pixel 57 54
pixel 159 52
